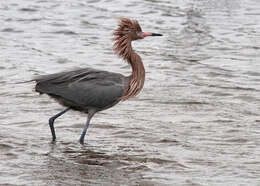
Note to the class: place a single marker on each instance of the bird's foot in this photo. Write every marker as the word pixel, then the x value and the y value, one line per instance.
pixel 53 142
pixel 81 142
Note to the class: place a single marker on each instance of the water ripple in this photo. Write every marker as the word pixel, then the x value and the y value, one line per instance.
pixel 196 122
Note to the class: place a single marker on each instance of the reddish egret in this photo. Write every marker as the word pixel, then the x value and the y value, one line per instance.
pixel 89 90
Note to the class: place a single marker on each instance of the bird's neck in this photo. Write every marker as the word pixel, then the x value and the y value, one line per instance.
pixel 136 81
pixel 123 48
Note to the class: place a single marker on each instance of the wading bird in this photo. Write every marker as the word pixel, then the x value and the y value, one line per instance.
pixel 89 90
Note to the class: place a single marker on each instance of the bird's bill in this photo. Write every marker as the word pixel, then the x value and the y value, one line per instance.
pixel 145 34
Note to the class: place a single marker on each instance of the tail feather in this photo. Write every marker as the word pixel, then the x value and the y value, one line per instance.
pixel 22 82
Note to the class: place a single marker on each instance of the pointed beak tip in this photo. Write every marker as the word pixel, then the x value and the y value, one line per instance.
pixel 155 34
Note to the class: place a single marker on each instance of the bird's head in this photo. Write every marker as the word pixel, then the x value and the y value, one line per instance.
pixel 131 29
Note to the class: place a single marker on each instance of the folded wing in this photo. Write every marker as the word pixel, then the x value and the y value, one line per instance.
pixel 83 88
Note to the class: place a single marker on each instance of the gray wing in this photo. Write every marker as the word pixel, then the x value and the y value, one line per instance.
pixel 83 88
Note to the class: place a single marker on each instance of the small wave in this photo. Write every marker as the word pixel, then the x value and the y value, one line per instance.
pixel 180 102
pixel 237 140
pixel 64 32
pixel 166 140
pixel 29 20
pixel 5 146
pixel 234 88
pixel 11 30
pixel 28 9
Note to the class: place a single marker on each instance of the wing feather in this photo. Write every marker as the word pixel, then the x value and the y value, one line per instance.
pixel 83 88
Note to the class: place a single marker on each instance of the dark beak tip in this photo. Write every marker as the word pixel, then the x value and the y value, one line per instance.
pixel 154 34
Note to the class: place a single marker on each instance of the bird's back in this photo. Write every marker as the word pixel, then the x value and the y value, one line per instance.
pixel 84 88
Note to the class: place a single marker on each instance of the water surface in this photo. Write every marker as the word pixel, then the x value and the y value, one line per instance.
pixel 196 122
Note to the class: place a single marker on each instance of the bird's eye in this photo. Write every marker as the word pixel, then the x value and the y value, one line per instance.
pixel 139 34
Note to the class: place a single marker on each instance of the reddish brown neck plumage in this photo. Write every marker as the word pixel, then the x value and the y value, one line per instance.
pixel 124 49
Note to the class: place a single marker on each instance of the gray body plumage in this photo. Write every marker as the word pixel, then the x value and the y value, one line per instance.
pixel 83 89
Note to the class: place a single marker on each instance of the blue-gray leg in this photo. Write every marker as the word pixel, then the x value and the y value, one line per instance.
pixel 51 122
pixel 90 115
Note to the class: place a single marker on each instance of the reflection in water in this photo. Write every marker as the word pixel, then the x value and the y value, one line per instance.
pixel 195 123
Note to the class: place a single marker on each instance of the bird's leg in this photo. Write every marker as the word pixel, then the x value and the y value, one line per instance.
pixel 51 122
pixel 90 115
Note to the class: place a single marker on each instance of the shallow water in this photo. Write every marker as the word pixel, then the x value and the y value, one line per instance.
pixel 196 122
